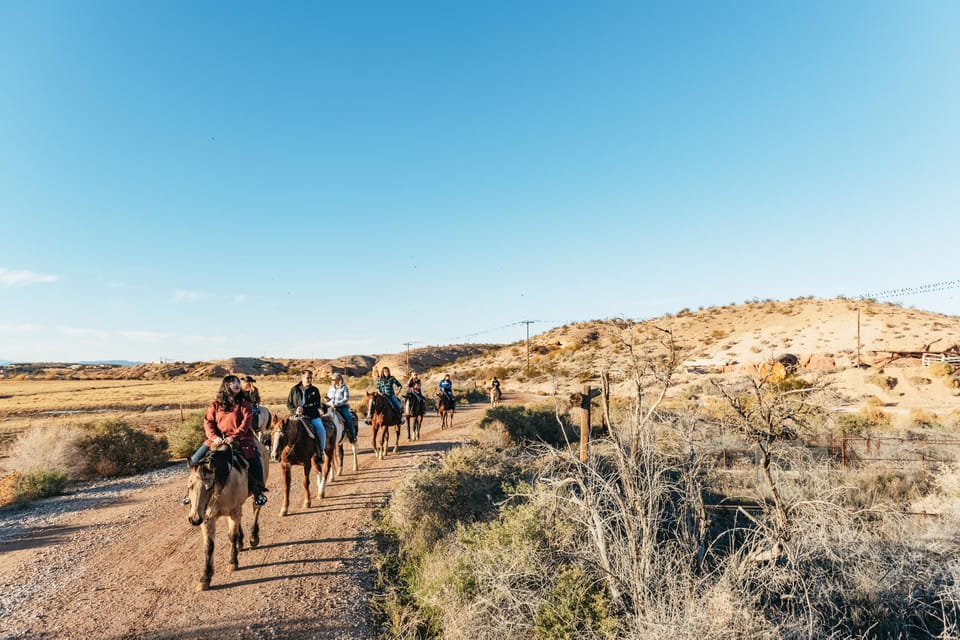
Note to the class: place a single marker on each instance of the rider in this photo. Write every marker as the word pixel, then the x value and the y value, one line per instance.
pixel 446 387
pixel 385 385
pixel 494 385
pixel 228 419
pixel 416 387
pixel 339 396
pixel 252 394
pixel 304 402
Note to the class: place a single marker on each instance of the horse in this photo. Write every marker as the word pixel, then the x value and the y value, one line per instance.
pixel 333 451
pixel 495 395
pixel 445 407
pixel 294 443
pixel 383 414
pixel 414 407
pixel 218 486
pixel 261 427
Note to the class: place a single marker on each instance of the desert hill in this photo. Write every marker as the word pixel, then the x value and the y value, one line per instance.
pixel 849 340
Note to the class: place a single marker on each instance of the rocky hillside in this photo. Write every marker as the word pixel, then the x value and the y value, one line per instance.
pixel 831 336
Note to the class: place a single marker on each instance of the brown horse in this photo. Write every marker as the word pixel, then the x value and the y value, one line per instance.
pixel 414 407
pixel 294 443
pixel 218 486
pixel 383 414
pixel 445 407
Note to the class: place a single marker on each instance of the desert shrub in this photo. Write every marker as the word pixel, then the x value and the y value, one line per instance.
pixel 463 488
pixel 921 419
pixel 38 483
pixel 940 369
pixel 186 437
pixel 882 381
pixel 531 425
pixel 471 395
pixel 113 448
pixel 466 487
pixel 44 448
pixel 881 484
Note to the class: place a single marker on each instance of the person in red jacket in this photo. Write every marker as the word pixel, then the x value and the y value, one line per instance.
pixel 229 419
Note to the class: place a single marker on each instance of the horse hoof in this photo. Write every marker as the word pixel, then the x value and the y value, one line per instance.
pixel 254 543
pixel 203 586
pixel 232 567
pixel 283 512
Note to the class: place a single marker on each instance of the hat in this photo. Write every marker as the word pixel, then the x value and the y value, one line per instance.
pixel 249 379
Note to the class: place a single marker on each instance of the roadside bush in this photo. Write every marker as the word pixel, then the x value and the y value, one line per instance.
pixel 44 448
pixel 36 484
pixel 187 436
pixel 526 425
pixel 113 448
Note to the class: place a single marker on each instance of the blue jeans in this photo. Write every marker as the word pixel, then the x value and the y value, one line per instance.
pixel 202 451
pixel 317 424
pixel 396 403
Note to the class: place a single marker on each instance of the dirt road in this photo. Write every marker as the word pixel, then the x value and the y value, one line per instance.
pixel 118 560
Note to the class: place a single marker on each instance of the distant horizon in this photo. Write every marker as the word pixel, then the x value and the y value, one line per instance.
pixel 418 346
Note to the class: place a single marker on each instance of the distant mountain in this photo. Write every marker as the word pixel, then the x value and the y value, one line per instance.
pixel 116 363
pixel 5 362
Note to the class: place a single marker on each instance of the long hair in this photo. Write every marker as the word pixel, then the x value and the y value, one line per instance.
pixel 385 372
pixel 225 397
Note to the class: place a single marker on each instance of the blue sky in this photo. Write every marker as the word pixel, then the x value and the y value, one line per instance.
pixel 199 180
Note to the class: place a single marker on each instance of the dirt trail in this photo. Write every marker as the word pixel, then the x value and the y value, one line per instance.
pixel 127 566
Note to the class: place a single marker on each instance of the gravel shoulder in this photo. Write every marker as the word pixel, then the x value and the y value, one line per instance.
pixel 117 559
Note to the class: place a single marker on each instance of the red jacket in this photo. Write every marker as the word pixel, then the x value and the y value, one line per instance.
pixel 237 423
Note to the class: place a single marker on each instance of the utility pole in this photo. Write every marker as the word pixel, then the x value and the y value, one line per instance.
pixel 408 356
pixel 528 323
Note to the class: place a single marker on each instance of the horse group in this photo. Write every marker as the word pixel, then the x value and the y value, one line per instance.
pixel 218 485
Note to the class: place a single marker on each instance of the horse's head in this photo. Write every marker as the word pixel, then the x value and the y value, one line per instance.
pixel 280 435
pixel 200 485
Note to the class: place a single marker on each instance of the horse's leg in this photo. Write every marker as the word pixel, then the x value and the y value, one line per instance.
pixel 235 534
pixel 255 530
pixel 396 443
pixel 285 507
pixel 207 530
pixel 339 452
pixel 306 484
pixel 353 445
pixel 322 476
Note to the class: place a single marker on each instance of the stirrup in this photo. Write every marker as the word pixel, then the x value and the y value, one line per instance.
pixel 260 500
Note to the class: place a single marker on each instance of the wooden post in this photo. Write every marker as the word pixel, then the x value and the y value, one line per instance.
pixel 858 338
pixel 843 451
pixel 583 399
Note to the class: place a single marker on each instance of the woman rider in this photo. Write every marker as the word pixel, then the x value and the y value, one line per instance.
pixel 385 385
pixel 229 419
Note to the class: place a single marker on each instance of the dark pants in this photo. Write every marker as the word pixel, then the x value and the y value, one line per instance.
pixel 256 473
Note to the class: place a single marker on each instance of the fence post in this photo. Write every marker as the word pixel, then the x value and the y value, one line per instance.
pixel 724 452
pixel 583 399
pixel 843 451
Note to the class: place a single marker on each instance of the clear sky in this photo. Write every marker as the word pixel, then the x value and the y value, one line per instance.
pixel 199 180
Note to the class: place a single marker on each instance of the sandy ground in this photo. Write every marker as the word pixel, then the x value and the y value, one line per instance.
pixel 119 559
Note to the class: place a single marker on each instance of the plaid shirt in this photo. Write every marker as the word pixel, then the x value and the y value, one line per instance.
pixel 385 385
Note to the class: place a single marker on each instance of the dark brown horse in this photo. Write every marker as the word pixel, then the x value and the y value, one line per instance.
pixel 294 444
pixel 414 407
pixel 445 407
pixel 383 414
pixel 218 486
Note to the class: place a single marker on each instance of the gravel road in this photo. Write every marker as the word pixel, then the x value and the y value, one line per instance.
pixel 117 559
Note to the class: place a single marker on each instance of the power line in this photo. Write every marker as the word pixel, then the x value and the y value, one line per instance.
pixel 909 291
